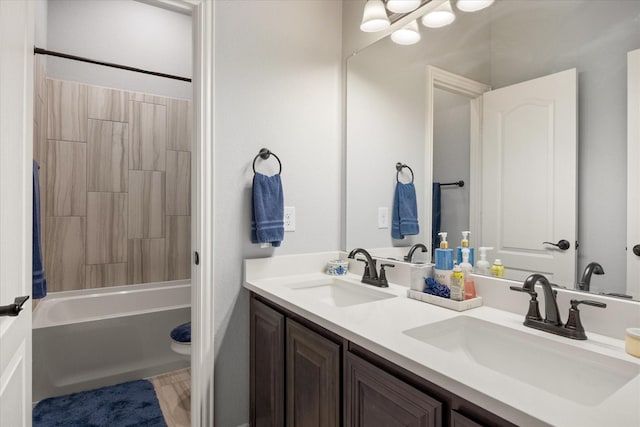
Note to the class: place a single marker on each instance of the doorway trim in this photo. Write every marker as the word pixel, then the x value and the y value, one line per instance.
pixel 438 78
pixel 202 209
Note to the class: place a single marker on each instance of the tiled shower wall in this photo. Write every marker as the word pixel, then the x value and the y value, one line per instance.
pixel 115 185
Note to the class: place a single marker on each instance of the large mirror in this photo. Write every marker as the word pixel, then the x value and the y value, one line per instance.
pixel 509 43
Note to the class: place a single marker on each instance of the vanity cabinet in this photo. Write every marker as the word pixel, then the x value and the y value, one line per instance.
pixel 375 398
pixel 303 375
pixel 308 362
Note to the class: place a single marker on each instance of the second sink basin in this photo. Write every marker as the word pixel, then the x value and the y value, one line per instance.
pixel 338 293
pixel 564 370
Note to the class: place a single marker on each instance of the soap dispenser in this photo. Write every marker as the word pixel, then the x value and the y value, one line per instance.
pixel 465 244
pixel 444 261
pixel 483 266
pixel 465 266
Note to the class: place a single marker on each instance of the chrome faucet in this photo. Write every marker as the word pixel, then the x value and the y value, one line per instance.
pixel 592 268
pixel 552 322
pixel 370 275
pixel 409 256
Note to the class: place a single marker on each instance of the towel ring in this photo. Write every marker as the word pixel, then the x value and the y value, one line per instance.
pixel 399 167
pixel 264 154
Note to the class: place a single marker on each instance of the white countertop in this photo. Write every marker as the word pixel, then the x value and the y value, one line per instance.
pixel 378 326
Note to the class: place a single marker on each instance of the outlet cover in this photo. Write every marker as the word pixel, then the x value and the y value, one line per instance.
pixel 383 217
pixel 289 218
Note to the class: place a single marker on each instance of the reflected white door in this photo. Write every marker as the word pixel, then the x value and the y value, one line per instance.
pixel 633 173
pixel 16 148
pixel 529 160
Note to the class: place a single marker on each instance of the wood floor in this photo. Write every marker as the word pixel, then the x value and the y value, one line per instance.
pixel 174 394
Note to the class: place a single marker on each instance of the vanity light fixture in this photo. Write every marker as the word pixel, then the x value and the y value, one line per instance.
pixel 409 34
pixel 374 17
pixel 402 6
pixel 443 15
pixel 473 5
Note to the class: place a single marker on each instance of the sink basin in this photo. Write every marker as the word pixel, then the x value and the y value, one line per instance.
pixel 572 373
pixel 338 293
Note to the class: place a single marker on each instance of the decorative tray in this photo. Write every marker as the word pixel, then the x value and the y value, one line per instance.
pixel 445 302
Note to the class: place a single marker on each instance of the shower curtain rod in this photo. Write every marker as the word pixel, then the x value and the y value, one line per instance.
pixel 37 50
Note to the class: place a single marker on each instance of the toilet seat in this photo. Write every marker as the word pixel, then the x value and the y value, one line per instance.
pixel 181 339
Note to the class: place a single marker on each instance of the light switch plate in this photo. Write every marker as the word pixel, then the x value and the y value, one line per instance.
pixel 289 218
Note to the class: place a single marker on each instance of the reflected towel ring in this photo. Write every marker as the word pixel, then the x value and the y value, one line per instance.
pixel 264 154
pixel 399 167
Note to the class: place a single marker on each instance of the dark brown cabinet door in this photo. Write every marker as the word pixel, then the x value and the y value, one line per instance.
pixel 459 420
pixel 267 366
pixel 313 378
pixel 375 398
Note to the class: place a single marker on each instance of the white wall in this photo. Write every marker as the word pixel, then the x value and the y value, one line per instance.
pixel 278 82
pixel 124 32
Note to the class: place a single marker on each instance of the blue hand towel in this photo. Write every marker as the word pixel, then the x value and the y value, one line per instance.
pixel 267 213
pixel 436 215
pixel 405 211
pixel 39 283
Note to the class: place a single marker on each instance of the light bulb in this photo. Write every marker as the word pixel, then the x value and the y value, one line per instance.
pixel 409 34
pixel 402 6
pixel 441 16
pixel 473 5
pixel 374 17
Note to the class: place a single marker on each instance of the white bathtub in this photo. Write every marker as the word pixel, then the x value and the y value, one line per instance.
pixel 92 338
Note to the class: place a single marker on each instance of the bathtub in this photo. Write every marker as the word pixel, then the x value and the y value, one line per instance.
pixel 96 337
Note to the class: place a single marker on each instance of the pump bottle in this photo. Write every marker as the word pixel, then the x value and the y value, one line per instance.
pixel 444 261
pixel 465 244
pixel 483 266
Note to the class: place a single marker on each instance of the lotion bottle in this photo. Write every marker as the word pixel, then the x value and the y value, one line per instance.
pixel 497 269
pixel 483 266
pixel 465 244
pixel 457 284
pixel 444 261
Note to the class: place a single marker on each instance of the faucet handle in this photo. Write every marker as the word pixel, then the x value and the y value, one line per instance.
pixel 534 309
pixel 366 273
pixel 573 322
pixel 383 273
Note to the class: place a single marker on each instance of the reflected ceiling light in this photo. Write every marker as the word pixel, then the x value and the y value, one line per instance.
pixel 402 6
pixel 441 16
pixel 409 34
pixel 374 17
pixel 473 5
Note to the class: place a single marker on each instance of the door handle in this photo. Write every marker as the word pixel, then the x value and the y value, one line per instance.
pixel 562 244
pixel 636 250
pixel 15 308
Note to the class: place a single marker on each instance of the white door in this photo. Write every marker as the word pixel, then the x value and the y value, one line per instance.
pixel 633 180
pixel 529 163
pixel 16 148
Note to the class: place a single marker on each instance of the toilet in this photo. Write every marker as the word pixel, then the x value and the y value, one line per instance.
pixel 181 339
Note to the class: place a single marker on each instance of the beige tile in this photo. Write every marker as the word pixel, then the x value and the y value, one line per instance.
pixel 174 395
pixel 146 261
pixel 66 111
pixel 178 125
pixel 146 204
pixel 178 183
pixel 147 136
pixel 107 156
pixel 178 247
pixel 103 275
pixel 65 253
pixel 106 228
pixel 108 104
pixel 148 98
pixel 66 178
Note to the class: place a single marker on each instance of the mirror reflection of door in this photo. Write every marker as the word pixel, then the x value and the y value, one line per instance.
pixel 529 169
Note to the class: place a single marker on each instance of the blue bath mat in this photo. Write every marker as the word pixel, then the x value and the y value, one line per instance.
pixel 128 404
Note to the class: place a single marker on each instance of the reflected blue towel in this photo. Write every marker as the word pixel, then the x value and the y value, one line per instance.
pixel 39 283
pixel 405 211
pixel 267 213
pixel 436 216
